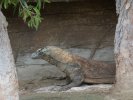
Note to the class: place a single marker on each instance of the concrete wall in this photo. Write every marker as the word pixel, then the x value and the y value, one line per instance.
pixel 84 28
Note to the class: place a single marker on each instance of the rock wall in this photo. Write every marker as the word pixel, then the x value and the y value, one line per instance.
pixel 85 28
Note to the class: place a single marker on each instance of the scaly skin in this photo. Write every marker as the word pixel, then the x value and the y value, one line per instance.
pixel 77 69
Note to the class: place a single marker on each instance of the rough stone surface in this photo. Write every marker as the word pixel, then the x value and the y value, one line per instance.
pixel 89 88
pixel 105 54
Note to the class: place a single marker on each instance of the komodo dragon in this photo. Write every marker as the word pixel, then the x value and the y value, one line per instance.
pixel 77 68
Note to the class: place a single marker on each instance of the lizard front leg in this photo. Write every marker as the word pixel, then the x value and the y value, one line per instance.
pixel 75 74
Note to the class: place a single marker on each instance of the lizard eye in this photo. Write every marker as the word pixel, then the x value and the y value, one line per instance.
pixel 39 50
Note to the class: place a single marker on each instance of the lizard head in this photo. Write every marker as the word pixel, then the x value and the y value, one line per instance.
pixel 39 53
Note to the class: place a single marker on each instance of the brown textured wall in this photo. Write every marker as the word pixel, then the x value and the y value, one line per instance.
pixel 89 24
